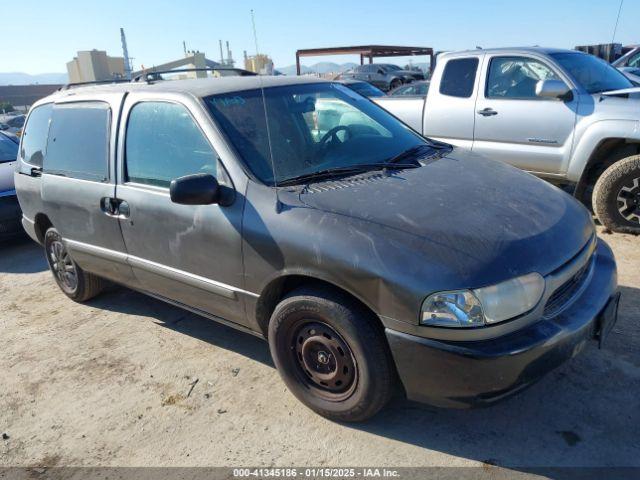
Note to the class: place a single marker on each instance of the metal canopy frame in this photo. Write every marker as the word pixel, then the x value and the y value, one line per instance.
pixel 367 51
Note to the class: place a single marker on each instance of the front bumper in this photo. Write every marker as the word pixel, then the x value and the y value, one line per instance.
pixel 10 215
pixel 464 374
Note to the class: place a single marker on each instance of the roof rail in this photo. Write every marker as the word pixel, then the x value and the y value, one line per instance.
pixel 151 75
pixel 69 86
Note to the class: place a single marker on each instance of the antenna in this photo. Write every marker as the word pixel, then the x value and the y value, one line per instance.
pixel 615 28
pixel 266 118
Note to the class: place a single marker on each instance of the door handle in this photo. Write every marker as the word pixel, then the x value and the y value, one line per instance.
pixel 487 112
pixel 123 209
pixel 114 207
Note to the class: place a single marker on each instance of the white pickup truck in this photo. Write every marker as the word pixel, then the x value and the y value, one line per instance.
pixel 559 114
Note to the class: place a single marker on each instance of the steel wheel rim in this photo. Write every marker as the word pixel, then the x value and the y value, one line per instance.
pixel 324 361
pixel 62 266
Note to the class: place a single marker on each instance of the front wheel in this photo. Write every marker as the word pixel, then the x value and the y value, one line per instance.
pixel 616 196
pixel 395 84
pixel 331 354
pixel 76 284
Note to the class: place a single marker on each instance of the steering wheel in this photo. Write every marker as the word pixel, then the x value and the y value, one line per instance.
pixel 332 136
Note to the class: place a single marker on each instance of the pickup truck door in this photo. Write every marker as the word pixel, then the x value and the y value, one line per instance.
pixel 449 112
pixel 514 125
pixel 190 254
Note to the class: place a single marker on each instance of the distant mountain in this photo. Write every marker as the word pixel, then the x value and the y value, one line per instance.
pixel 19 78
pixel 320 67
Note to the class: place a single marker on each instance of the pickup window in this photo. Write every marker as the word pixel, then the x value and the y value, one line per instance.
pixel 516 77
pixel 458 77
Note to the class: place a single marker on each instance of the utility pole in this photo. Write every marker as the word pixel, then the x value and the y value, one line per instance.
pixel 125 54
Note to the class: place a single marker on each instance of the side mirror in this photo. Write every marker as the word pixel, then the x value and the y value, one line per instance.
pixel 552 89
pixel 197 189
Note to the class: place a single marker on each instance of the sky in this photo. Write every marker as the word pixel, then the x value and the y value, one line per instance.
pixel 43 35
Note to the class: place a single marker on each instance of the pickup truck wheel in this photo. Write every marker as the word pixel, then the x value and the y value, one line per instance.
pixel 616 196
pixel 330 355
pixel 76 284
pixel 395 84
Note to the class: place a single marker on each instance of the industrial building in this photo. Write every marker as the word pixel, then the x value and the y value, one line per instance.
pixel 95 65
pixel 260 63
pixel 23 96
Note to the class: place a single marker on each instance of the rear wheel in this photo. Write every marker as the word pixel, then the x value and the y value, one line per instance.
pixel 616 196
pixel 76 284
pixel 331 354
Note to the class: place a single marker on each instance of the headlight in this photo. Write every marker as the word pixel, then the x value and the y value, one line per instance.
pixel 483 306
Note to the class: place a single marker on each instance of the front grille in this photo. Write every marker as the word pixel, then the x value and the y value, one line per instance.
pixel 565 292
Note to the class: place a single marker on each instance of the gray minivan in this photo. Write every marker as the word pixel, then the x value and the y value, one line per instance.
pixel 370 257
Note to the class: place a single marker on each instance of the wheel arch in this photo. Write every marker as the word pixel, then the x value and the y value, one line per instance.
pixel 41 225
pixel 277 288
pixel 607 152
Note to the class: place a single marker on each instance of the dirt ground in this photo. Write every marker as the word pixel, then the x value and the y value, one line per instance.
pixel 127 380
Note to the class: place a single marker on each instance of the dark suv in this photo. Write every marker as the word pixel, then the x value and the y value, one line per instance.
pixel 385 76
pixel 362 251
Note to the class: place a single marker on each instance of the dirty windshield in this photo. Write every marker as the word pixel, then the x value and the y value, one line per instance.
pixel 313 127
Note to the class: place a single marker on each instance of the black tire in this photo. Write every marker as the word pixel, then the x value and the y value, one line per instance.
pixel 74 282
pixel 355 377
pixel 394 84
pixel 616 196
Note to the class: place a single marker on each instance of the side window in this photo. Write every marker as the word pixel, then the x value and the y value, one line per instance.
pixel 163 142
pixel 458 77
pixel 34 137
pixel 634 61
pixel 78 145
pixel 516 77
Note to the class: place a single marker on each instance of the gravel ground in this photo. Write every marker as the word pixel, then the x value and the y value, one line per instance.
pixel 126 380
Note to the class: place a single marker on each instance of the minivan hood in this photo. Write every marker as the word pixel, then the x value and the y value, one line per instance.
pixel 482 220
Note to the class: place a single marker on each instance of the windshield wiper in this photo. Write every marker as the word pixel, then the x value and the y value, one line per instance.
pixel 419 152
pixel 343 171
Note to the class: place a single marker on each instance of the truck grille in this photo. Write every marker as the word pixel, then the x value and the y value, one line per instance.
pixel 565 292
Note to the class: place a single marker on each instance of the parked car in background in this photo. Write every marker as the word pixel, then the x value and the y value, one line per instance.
pixel 10 214
pixel 365 255
pixel 630 59
pixel 563 115
pixel 414 89
pixel 363 88
pixel 385 76
pixel 12 123
pixel 632 73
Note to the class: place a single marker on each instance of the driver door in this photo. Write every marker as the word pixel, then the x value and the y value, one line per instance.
pixel 516 126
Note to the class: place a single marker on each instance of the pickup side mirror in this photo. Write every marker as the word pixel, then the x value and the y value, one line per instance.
pixel 552 89
pixel 196 189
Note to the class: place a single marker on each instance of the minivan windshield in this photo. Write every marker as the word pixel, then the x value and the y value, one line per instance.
pixel 595 75
pixel 311 128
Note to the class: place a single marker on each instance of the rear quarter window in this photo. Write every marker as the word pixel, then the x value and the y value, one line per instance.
pixel 34 137
pixel 78 145
pixel 459 77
